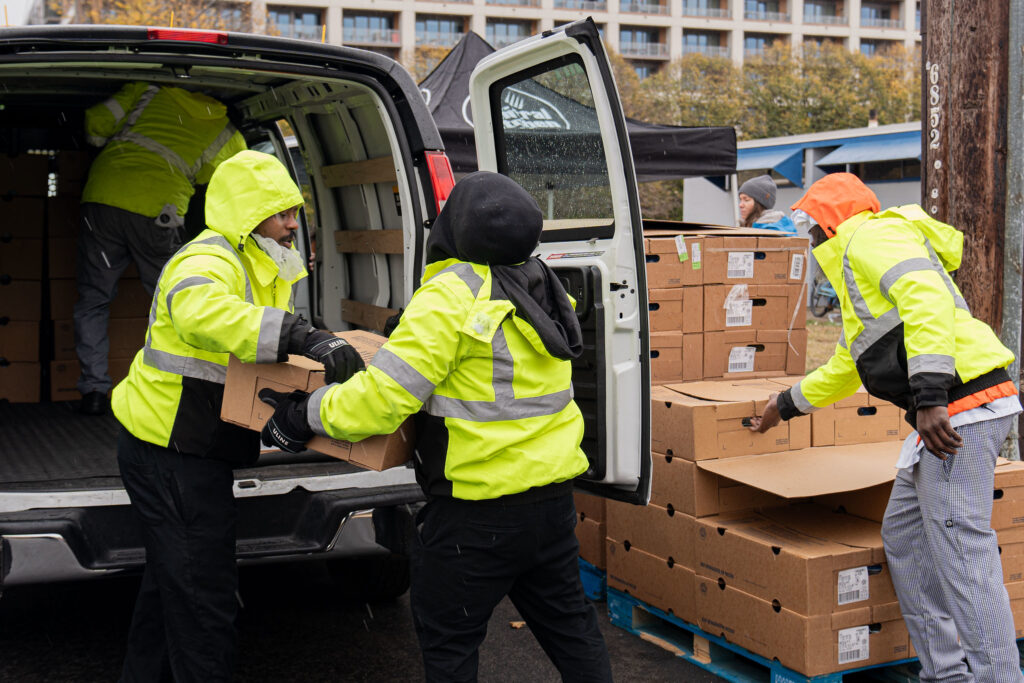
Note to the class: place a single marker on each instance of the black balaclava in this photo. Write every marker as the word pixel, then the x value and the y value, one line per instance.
pixel 491 220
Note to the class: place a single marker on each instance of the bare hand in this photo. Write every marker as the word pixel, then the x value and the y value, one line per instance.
pixel 769 419
pixel 936 431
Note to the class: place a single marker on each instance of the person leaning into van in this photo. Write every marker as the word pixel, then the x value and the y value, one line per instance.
pixel 228 291
pixel 482 357
pixel 158 143
pixel 909 337
pixel 757 207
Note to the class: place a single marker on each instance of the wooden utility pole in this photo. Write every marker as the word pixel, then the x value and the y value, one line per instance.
pixel 964 137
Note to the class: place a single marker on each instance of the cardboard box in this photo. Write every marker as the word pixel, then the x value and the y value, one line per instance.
pixel 62 255
pixel 758 306
pixel 21 258
pixel 591 536
pixel 666 357
pixel 860 418
pixel 21 299
pixel 19 341
pixel 810 645
pixel 669 586
pixel 1011 556
pixel 64 377
pixel 24 174
pixel 20 382
pixel 126 336
pixel 674 261
pixel 1008 495
pixel 679 484
pixel 72 168
pixel 654 529
pixel 806 558
pixel 22 217
pixel 243 407
pixel 1015 591
pixel 752 260
pixel 869 503
pixel 590 506
pixel 754 353
pixel 63 215
pixel 676 310
pixel 702 420
pixel 132 300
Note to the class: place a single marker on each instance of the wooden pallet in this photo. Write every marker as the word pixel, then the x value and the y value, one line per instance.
pixel 726 660
pixel 594 584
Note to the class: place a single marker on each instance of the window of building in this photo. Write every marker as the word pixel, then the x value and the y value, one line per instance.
pixel 702 38
pixel 644 69
pixel 439 30
pixel 504 32
pixel 296 22
pixel 821 11
pixel 706 8
pixel 369 28
pixel 756 43
pixel 869 48
pixel 874 12
pixel 638 36
pixel 761 6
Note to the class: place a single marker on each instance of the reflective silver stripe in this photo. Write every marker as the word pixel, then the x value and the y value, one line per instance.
pixel 493 411
pixel 144 99
pixel 860 305
pixel 467 274
pixel 931 362
pixel 193 281
pixel 96 140
pixel 875 329
pixel 842 339
pixel 502 367
pixel 313 410
pixel 408 377
pixel 270 335
pixel 212 149
pixel 115 108
pixel 899 270
pixel 186 366
pixel 800 401
pixel 164 152
pixel 957 299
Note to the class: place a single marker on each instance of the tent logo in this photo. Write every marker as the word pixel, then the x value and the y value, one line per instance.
pixel 525 111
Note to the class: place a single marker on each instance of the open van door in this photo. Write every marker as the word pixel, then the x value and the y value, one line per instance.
pixel 547 114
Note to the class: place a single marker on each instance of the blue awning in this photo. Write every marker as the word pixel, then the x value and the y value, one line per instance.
pixel 883 149
pixel 787 162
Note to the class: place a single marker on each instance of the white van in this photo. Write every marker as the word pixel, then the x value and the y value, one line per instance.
pixel 377 176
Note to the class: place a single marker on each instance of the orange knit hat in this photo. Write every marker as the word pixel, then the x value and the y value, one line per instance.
pixel 836 197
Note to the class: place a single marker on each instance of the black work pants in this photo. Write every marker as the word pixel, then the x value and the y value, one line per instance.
pixel 184 620
pixel 472 554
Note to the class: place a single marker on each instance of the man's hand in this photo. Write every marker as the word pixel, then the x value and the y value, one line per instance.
pixel 287 427
pixel 769 419
pixel 340 359
pixel 938 435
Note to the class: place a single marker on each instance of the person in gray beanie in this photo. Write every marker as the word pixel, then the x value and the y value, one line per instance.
pixel 757 202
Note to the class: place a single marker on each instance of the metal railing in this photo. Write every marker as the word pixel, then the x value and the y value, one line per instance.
pixel 709 50
pixel 300 31
pixel 371 36
pixel 442 38
pixel 643 8
pixel 766 16
pixel 517 3
pixel 709 12
pixel 588 5
pixel 832 19
pixel 656 50
pixel 501 41
pixel 875 22
pixel 754 51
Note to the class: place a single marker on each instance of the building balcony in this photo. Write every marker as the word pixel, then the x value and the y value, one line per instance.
pixel 498 42
pixel 644 50
pixel 766 16
pixel 371 36
pixel 707 50
pixel 301 31
pixel 441 38
pixel 586 5
pixel 643 8
pixel 515 3
pixel 709 12
pixel 749 52
pixel 829 19
pixel 874 22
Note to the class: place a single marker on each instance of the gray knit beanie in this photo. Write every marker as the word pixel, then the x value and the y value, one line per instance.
pixel 761 189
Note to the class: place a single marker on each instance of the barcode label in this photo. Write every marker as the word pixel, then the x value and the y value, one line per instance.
pixel 853 645
pixel 796 269
pixel 741 265
pixel 741 359
pixel 853 585
pixel 695 256
pixel 681 249
pixel 739 313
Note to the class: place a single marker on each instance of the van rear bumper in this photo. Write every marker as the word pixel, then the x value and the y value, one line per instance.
pixel 66 544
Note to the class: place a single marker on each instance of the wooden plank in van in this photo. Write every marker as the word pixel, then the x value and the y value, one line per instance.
pixel 379 170
pixel 365 315
pixel 368 241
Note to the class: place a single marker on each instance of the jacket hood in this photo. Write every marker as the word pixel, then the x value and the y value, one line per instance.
pixel 198 105
pixel 244 190
pixel 947 241
pixel 835 198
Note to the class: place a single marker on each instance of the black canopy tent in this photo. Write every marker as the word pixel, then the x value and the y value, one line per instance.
pixel 659 152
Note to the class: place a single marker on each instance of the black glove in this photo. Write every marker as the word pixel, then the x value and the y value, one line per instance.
pixel 340 359
pixel 287 427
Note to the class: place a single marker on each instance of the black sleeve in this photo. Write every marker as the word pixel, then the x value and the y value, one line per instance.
pixel 787 409
pixel 931 389
pixel 294 330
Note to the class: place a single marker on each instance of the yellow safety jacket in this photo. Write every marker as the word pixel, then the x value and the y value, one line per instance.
pixel 908 335
pixel 159 142
pixel 497 411
pixel 219 295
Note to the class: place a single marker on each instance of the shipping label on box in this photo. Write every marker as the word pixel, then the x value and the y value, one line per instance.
pixel 20 382
pixel 678 484
pixel 19 341
pixel 750 260
pixel 21 299
pixel 703 420
pixel 673 262
pixel 759 306
pixel 21 258
pixel 659 531
pixel 753 352
pixel 669 586
pixel 242 405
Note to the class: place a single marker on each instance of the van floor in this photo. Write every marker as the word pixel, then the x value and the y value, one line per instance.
pixel 52 444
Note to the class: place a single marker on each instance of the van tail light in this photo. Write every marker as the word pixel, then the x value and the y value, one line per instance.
pixel 441 178
pixel 187 35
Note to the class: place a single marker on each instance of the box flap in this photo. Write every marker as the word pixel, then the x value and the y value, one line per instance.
pixel 820 522
pixel 812 471
pixel 728 390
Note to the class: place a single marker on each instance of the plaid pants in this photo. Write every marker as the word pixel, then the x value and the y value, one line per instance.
pixel 944 561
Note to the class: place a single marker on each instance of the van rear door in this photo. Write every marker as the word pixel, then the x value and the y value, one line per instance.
pixel 547 114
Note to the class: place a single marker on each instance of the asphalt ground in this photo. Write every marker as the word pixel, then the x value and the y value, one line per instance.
pixel 293 627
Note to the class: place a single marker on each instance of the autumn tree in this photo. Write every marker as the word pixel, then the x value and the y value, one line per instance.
pixel 425 59
pixel 208 14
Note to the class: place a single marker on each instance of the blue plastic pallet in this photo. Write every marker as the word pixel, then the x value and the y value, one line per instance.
pixel 726 660
pixel 594 584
